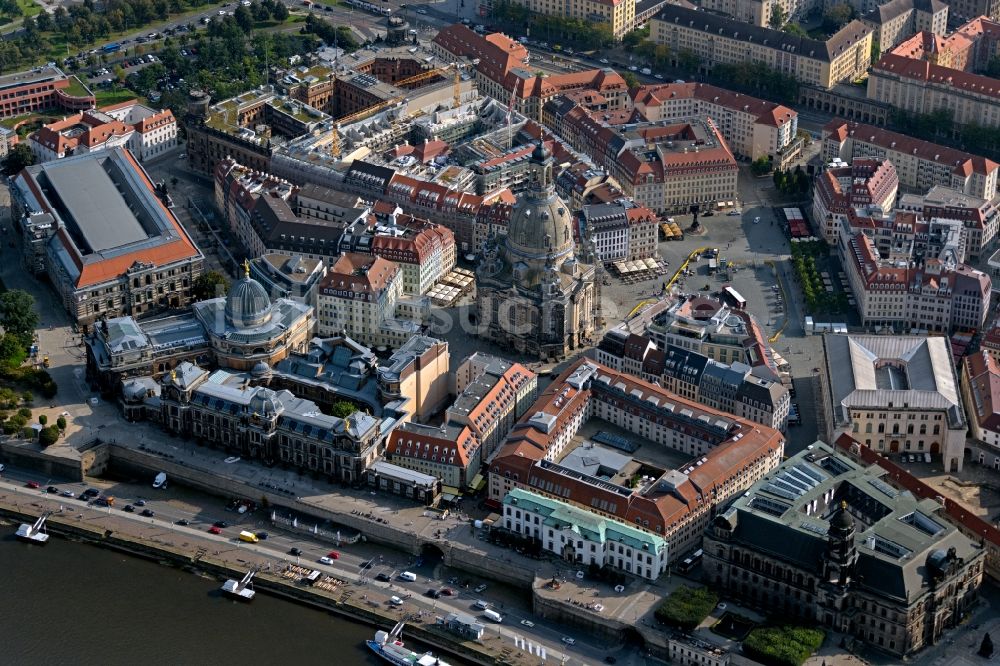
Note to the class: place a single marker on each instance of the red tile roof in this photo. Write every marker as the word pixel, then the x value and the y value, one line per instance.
pixel 527 445
pixel 964 163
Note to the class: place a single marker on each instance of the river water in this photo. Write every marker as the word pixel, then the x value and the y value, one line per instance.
pixel 73 603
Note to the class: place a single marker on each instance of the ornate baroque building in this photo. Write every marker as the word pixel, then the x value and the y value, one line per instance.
pixel 829 541
pixel 536 295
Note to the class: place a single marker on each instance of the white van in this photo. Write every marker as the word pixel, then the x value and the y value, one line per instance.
pixel 408 575
pixel 493 616
pixel 482 605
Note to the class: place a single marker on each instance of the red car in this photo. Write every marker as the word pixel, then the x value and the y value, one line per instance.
pixel 333 555
pixel 33 484
pixel 214 530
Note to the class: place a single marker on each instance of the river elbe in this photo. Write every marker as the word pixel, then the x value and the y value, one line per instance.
pixel 73 603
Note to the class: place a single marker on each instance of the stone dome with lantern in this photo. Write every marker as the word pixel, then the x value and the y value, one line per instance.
pixel 535 293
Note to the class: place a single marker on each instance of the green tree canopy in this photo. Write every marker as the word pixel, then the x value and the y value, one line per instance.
pixel 837 16
pixel 686 607
pixel 760 166
pixel 342 409
pixel 210 284
pixel 18 316
pixel 48 436
pixel 20 156
pixel 777 18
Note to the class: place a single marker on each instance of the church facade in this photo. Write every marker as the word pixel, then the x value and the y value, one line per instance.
pixel 537 292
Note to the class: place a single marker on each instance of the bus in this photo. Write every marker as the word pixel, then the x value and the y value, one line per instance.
pixel 734 298
pixel 370 7
pixel 690 562
pixel 112 47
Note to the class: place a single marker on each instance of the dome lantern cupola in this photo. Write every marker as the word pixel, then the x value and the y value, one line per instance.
pixel 247 304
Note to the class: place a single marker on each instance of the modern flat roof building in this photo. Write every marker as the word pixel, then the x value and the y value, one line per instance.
pixel 40 89
pixel 104 234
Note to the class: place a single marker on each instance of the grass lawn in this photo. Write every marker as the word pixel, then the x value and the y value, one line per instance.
pixel 76 88
pixel 47 116
pixel 106 97
pixel 29 7
pixel 733 626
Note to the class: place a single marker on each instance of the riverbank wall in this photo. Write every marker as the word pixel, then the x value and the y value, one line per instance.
pixel 201 557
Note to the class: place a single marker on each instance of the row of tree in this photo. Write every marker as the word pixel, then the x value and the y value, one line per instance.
pixel 756 78
pixel 339 36
pixel 580 34
pixel 791 182
pixel 940 127
pixel 228 61
pixel 82 25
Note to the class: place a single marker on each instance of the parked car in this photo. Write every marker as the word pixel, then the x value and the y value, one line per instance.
pixel 183 522
pixel 326 560
pixel 261 535
pixel 66 493
pixel 52 490
pixel 528 623
pixel 214 530
pixel 220 524
pixel 140 502
pixel 148 513
pixel 433 594
pixel 34 485
pixel 383 577
pixel 128 508
pixel 295 551
pixel 333 555
pixel 568 641
pixel 447 591
pixel 481 587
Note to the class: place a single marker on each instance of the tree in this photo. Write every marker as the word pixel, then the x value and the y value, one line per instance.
pixel 19 157
pixel 280 12
pixel 48 436
pixel 837 16
pixel 778 17
pixel 631 80
pixel 635 37
pixel 43 419
pixel 986 647
pixel 244 18
pixel 17 314
pixel 794 29
pixel 43 21
pixel 12 352
pixel 342 409
pixel 210 285
pixel 760 166
pixel 688 59
pixel 61 423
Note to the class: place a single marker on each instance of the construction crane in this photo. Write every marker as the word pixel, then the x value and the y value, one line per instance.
pixel 439 71
pixel 379 106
